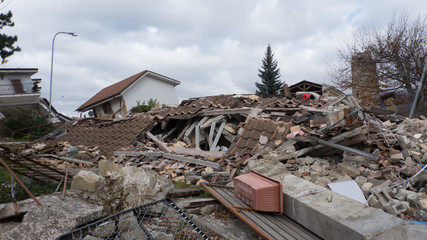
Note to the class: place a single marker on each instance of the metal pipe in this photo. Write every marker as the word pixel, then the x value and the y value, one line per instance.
pixel 20 182
pixel 420 87
pixel 51 70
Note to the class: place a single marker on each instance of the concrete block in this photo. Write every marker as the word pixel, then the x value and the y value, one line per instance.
pixel 340 218
pixel 349 169
pixel 401 195
pixel 374 202
pixel 413 198
pixel 384 198
pixel 397 208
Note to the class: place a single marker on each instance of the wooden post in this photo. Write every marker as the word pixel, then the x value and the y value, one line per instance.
pixel 159 143
pixel 20 183
pixel 65 184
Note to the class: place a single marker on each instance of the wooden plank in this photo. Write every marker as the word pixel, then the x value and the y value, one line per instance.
pixel 181 134
pixel 211 134
pixel 169 133
pixel 282 109
pixel 226 111
pixel 228 127
pixel 190 129
pixel 197 131
pixel 68 159
pixel 191 160
pixel 198 152
pixel 218 135
pixel 313 109
pixel 159 143
pixel 137 153
pixel 211 120
pixel 334 101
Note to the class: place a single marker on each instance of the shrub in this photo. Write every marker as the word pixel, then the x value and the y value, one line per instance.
pixel 19 125
pixel 139 108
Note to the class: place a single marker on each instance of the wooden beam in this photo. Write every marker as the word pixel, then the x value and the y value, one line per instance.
pixel 169 133
pixel 197 131
pixel 218 135
pixel 197 152
pixel 68 159
pixel 190 129
pixel 181 134
pixel 159 143
pixel 244 110
pixel 313 109
pixel 137 153
pixel 211 134
pixel 191 160
pixel 334 101
pixel 211 120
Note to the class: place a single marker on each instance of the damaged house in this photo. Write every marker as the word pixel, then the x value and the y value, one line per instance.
pixel 18 89
pixel 117 99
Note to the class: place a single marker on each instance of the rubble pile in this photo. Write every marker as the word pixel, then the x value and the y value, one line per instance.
pixel 323 139
pixel 395 183
pixel 63 155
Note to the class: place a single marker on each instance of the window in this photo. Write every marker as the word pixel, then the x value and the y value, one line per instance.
pixel 106 107
pixel 17 85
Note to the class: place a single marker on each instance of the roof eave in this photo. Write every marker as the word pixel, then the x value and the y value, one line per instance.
pixel 93 105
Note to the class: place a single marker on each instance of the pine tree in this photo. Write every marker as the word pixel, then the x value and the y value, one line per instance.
pixel 269 74
pixel 6 42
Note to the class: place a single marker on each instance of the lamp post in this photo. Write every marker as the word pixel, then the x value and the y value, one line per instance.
pixel 51 70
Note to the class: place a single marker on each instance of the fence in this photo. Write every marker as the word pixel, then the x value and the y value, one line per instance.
pixel 161 219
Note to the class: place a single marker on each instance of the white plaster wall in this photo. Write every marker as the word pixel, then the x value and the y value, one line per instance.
pixel 148 88
pixel 6 85
pixel 115 105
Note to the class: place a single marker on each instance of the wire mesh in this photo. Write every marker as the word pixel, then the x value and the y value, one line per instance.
pixel 161 219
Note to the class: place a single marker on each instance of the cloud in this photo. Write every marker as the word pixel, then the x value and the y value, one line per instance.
pixel 212 47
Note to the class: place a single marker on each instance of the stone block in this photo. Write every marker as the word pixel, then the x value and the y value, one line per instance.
pixel 397 157
pixel 423 204
pixel 339 218
pixel 349 169
pixel 413 198
pixel 361 180
pixel 87 181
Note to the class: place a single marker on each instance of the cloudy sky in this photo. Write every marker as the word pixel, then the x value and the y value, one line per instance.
pixel 212 47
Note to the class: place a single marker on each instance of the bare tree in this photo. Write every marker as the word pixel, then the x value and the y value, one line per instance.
pixel 398 51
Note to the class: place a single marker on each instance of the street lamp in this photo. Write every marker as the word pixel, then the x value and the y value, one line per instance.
pixel 51 70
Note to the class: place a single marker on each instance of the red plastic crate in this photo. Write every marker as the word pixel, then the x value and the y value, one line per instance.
pixel 260 192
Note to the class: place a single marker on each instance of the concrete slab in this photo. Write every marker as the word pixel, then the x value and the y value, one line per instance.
pixel 232 229
pixel 341 218
pixel 416 231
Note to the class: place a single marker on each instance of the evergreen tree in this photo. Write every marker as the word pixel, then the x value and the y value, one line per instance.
pixel 6 42
pixel 269 74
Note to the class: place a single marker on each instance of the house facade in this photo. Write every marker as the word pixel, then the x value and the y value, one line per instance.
pixel 18 89
pixel 117 99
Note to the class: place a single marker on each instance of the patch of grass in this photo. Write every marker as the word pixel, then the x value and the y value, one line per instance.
pixel 36 188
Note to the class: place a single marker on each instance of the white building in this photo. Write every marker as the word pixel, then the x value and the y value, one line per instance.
pixel 18 89
pixel 119 98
